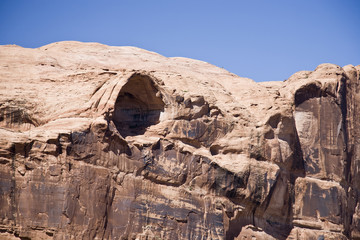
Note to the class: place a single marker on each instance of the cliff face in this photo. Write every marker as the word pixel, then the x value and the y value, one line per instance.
pixel 100 142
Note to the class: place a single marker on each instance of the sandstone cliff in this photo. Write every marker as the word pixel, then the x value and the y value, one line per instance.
pixel 100 142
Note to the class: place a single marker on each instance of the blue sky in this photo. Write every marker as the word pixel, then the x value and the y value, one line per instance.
pixel 263 40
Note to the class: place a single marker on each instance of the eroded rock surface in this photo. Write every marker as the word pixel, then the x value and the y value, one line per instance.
pixel 100 142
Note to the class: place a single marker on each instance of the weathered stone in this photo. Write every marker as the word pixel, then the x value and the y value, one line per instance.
pixel 100 142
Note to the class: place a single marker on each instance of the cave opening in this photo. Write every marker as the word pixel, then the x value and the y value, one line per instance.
pixel 138 106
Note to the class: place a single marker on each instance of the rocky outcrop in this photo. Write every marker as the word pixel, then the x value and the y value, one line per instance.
pixel 100 142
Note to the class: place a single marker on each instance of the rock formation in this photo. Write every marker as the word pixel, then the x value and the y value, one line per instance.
pixel 100 142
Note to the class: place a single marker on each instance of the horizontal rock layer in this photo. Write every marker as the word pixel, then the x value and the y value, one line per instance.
pixel 100 142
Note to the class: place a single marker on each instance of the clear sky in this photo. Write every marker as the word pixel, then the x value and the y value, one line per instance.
pixel 263 40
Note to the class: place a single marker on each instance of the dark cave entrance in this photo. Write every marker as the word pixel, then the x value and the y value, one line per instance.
pixel 137 106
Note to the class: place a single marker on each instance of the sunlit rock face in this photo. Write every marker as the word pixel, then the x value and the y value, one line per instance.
pixel 100 142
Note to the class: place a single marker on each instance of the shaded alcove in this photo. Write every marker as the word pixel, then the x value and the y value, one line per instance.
pixel 138 106
pixel 307 92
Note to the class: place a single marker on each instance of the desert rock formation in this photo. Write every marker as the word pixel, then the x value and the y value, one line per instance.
pixel 100 142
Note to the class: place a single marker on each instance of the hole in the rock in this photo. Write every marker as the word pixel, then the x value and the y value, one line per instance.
pixel 137 106
pixel 306 92
pixel 274 120
pixel 214 149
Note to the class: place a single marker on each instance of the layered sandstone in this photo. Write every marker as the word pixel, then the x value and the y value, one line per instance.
pixel 100 142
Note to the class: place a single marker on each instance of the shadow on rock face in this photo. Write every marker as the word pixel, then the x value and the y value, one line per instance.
pixel 138 106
